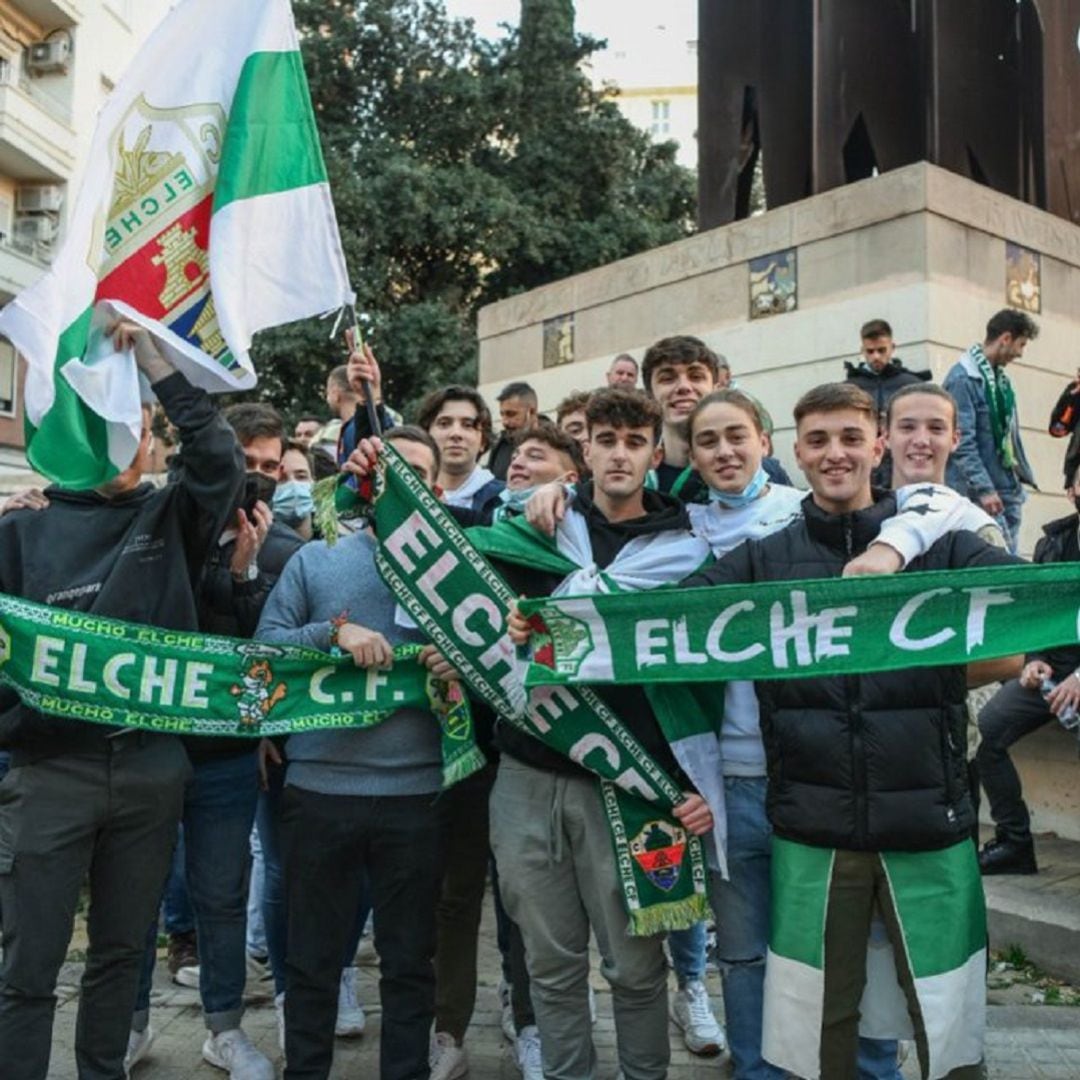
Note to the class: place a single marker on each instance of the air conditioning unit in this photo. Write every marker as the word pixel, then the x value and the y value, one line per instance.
pixel 35 228
pixel 39 197
pixel 48 57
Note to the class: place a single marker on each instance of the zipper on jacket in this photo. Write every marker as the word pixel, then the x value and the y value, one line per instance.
pixel 855 722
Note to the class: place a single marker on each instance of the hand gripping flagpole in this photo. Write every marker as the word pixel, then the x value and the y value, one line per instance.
pixel 358 343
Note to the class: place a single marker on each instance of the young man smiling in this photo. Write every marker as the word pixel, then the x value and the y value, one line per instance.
pixel 459 421
pixel 866 788
pixel 556 862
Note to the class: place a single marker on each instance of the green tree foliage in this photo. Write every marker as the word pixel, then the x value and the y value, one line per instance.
pixel 463 171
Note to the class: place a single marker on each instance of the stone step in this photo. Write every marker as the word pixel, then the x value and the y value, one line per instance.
pixel 1040 912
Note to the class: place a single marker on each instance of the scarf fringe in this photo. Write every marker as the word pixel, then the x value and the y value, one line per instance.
pixel 670 915
pixel 462 766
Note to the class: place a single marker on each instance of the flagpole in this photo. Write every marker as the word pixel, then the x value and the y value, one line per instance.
pixel 369 398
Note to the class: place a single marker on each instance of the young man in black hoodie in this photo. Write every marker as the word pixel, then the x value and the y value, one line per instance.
pixel 549 834
pixel 880 372
pixel 861 766
pixel 87 800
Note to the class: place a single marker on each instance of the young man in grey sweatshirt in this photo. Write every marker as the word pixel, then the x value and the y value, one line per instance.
pixel 357 801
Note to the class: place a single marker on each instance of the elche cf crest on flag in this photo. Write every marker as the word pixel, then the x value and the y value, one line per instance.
pixel 154 245
pixel 204 171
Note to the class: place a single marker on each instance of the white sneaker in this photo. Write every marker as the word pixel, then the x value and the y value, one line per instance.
pixel 527 1053
pixel 187 976
pixel 692 1012
pixel 139 1043
pixel 448 1061
pixel 506 1019
pixel 350 1016
pixel 279 1009
pixel 235 1053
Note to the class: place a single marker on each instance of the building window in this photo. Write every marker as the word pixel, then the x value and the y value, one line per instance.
pixel 661 118
pixel 7 379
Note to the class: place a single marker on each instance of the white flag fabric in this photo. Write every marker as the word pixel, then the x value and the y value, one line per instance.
pixel 205 214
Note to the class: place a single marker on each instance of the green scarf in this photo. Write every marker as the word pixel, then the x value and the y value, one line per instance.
pixel 1001 401
pixel 791 629
pixel 444 583
pixel 88 667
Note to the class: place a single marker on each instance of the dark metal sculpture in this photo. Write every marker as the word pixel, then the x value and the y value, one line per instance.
pixel 832 91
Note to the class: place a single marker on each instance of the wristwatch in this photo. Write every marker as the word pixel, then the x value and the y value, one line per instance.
pixel 250 574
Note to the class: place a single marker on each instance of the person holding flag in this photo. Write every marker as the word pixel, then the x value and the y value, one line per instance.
pixel 82 799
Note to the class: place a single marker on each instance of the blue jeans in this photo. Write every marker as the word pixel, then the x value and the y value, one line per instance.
pixel 741 906
pixel 256 928
pixel 274 915
pixel 1009 518
pixel 176 905
pixel 688 953
pixel 219 808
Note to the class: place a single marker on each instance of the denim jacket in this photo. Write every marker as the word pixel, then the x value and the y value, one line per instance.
pixel 975 467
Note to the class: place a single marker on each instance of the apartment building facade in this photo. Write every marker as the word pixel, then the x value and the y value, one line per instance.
pixel 59 59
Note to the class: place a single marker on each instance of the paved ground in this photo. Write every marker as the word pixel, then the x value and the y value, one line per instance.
pixel 1025 1042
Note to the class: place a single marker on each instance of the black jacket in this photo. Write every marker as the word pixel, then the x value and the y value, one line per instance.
pixel 1063 421
pixel 871 762
pixel 629 703
pixel 501 453
pixel 881 385
pixel 137 557
pixel 233 608
pixel 1059 543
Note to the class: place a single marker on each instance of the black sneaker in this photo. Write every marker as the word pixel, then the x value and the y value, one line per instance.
pixel 1008 857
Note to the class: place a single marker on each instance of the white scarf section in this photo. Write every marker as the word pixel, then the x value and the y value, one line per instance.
pixel 723 528
pixel 647 562
pixel 463 495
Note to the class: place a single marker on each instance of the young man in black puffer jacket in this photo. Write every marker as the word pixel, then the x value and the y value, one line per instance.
pixel 863 770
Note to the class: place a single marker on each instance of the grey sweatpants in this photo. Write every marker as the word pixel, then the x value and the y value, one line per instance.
pixel 558 878
pixel 110 816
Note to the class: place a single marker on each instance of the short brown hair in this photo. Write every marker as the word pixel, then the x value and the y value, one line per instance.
pixel 832 397
pixel 624 409
pixel 558 440
pixel 576 402
pixel 339 376
pixel 415 434
pixel 875 328
pixel 253 420
pixel 432 405
pixel 920 388
pixel 727 396
pixel 680 349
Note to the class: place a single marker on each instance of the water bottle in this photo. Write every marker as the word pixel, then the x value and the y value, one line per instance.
pixel 1070 718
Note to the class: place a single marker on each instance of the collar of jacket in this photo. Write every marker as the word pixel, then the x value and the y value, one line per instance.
pixel 849 534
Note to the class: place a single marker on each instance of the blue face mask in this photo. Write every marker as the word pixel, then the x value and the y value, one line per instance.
pixel 293 501
pixel 733 500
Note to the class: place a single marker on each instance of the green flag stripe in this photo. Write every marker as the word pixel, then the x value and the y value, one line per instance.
pixel 271 142
pixel 938 898
pixel 71 443
pixel 800 892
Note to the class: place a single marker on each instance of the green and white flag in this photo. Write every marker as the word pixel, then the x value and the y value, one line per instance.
pixel 204 214
pixel 933 990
